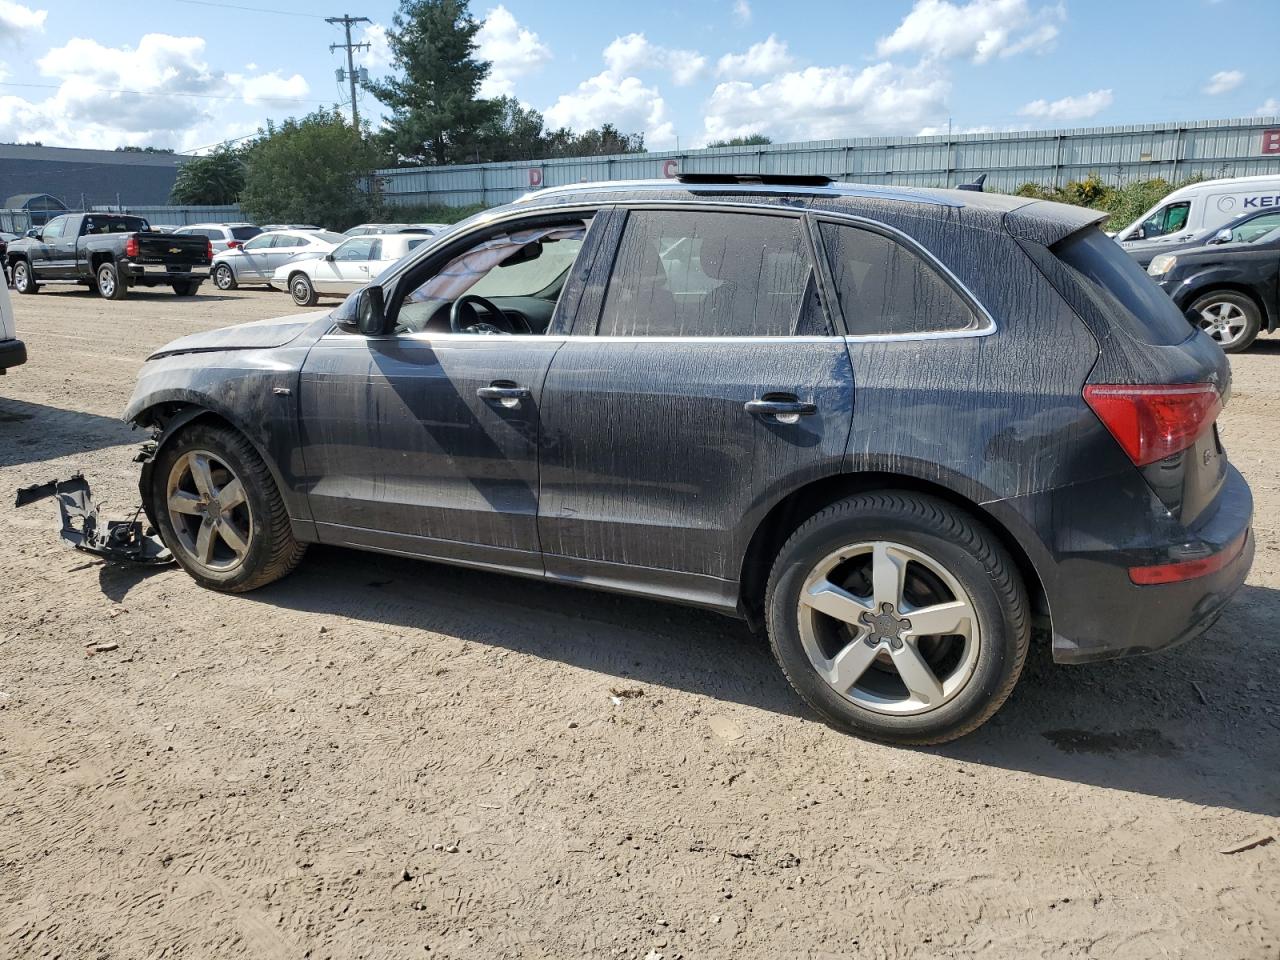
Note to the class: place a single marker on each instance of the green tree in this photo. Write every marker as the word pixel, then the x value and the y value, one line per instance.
pixel 436 114
pixel 309 171
pixel 515 132
pixel 214 179
pixel 754 140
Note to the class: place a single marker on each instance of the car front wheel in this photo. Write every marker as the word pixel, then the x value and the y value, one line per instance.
pixel 898 617
pixel 224 278
pixel 219 510
pixel 304 294
pixel 1231 318
pixel 24 280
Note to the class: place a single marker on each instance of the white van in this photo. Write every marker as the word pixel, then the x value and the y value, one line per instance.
pixel 1198 209
pixel 12 350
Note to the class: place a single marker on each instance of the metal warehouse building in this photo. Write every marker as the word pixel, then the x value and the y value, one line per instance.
pixel 1175 151
pixel 81 179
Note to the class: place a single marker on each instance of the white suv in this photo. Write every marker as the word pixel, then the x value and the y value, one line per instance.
pixel 13 352
pixel 223 236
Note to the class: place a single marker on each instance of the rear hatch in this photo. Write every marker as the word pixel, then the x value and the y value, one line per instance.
pixel 1159 382
pixel 178 252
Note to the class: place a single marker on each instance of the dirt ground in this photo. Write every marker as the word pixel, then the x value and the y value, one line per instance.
pixel 382 758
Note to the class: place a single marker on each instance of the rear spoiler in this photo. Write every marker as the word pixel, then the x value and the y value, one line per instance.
pixel 1046 222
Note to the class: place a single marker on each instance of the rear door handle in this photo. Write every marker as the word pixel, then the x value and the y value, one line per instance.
pixel 788 411
pixel 507 394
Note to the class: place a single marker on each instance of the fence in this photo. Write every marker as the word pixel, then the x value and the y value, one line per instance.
pixel 20 220
pixel 1175 151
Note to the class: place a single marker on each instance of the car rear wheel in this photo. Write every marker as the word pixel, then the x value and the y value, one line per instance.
pixel 218 509
pixel 898 617
pixel 24 280
pixel 224 278
pixel 304 294
pixel 110 284
pixel 187 288
pixel 1231 318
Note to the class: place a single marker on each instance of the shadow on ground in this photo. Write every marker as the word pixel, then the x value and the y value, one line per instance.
pixel 30 432
pixel 1200 723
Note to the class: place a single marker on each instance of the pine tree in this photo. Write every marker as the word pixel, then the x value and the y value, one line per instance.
pixel 436 114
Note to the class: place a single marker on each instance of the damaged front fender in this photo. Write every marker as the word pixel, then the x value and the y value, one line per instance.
pixel 83 528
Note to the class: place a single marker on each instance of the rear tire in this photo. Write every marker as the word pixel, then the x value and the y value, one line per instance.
pixel 224 278
pixel 110 284
pixel 1232 319
pixel 218 509
pixel 302 291
pixel 24 280
pixel 187 288
pixel 850 651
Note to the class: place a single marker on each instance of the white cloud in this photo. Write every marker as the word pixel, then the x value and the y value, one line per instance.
pixel 1069 108
pixel 742 12
pixel 762 59
pixel 978 30
pixel 1271 108
pixel 820 103
pixel 378 56
pixel 634 52
pixel 17 19
pixel 156 93
pixel 514 51
pixel 1223 81
pixel 625 102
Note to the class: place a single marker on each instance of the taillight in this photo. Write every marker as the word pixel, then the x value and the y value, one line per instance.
pixel 208 249
pixel 231 245
pixel 131 246
pixel 1152 422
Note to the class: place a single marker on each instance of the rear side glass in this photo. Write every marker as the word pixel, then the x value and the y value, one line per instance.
pixel 1122 289
pixel 885 288
pixel 680 273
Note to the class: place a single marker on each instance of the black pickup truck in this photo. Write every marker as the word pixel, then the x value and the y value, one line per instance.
pixel 108 252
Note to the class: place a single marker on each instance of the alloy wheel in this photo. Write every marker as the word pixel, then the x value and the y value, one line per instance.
pixel 21 277
pixel 1224 321
pixel 889 628
pixel 222 277
pixel 106 282
pixel 209 511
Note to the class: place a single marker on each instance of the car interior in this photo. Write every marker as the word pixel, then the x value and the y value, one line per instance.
pixel 509 283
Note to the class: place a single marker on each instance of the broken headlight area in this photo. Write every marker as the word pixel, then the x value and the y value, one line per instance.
pixel 134 539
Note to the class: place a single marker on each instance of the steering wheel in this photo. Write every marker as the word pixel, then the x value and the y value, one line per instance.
pixel 465 307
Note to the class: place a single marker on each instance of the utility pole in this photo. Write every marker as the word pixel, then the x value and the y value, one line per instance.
pixel 347 22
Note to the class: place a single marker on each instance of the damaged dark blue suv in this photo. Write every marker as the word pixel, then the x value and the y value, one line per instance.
pixel 899 429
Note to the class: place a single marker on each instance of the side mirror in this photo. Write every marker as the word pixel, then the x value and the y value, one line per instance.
pixel 363 312
pixel 1139 234
pixel 32 234
pixel 329 256
pixel 1222 236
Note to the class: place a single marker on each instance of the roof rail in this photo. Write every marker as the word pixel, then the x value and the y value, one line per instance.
pixel 771 179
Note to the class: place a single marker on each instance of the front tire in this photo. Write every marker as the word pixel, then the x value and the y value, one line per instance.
pixel 110 284
pixel 898 617
pixel 24 280
pixel 302 291
pixel 224 278
pixel 1232 319
pixel 218 509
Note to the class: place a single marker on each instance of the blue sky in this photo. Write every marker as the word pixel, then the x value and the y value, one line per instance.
pixel 189 73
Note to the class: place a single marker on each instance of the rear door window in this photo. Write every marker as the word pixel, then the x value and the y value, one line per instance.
pixel 684 273
pixel 887 289
pixel 1121 288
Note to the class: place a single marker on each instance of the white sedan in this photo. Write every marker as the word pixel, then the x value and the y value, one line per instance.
pixel 256 260
pixel 346 267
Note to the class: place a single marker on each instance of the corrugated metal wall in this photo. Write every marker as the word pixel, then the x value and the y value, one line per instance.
pixel 19 221
pixel 1210 148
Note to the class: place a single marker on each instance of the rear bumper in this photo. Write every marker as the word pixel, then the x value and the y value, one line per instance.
pixel 1099 613
pixel 13 353
pixel 160 273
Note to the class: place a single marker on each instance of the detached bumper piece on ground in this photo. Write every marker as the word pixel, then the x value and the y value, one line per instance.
pixel 82 528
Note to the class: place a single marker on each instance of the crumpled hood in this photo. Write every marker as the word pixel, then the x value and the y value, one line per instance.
pixel 258 335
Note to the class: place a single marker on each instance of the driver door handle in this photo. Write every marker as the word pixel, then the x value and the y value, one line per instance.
pixel 505 392
pixel 780 407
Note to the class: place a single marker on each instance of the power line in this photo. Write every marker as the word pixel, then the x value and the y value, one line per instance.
pixel 239 6
pixel 347 22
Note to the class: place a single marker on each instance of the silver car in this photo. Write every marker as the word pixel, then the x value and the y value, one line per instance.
pixel 222 236
pixel 347 267
pixel 257 260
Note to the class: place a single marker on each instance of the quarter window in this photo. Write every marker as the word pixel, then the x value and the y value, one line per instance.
pixel 698 274
pixel 886 288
